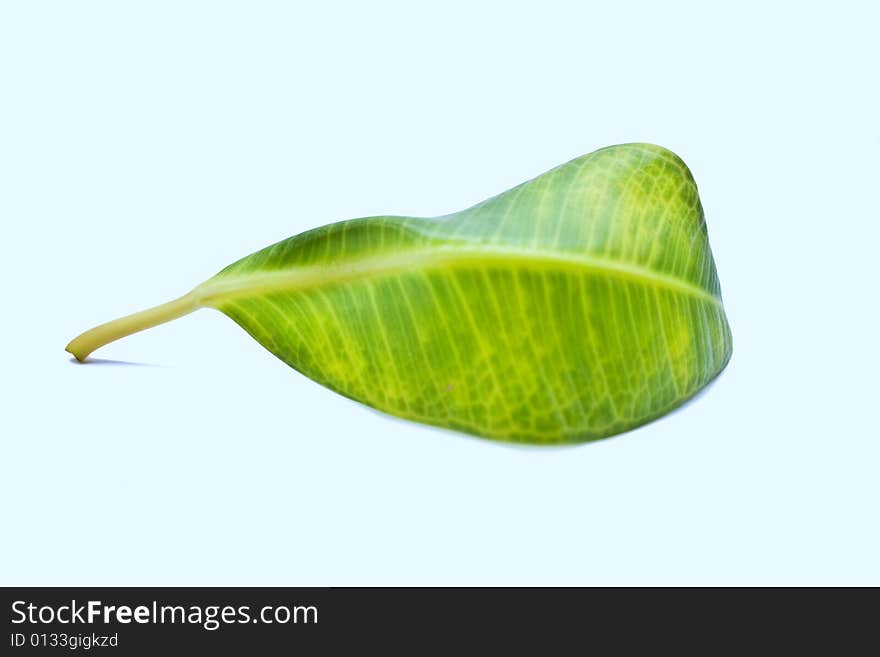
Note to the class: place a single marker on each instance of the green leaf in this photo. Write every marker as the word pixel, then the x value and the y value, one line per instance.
pixel 577 305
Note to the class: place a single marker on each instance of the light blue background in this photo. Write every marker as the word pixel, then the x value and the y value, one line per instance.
pixel 147 145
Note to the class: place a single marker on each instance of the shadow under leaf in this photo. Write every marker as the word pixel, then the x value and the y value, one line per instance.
pixel 112 363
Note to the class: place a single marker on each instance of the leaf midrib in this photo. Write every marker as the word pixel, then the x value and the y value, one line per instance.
pixel 215 292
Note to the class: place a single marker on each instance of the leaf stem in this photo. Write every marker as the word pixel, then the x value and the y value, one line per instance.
pixel 84 344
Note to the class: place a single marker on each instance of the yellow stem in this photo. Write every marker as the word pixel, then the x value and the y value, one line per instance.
pixel 82 345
